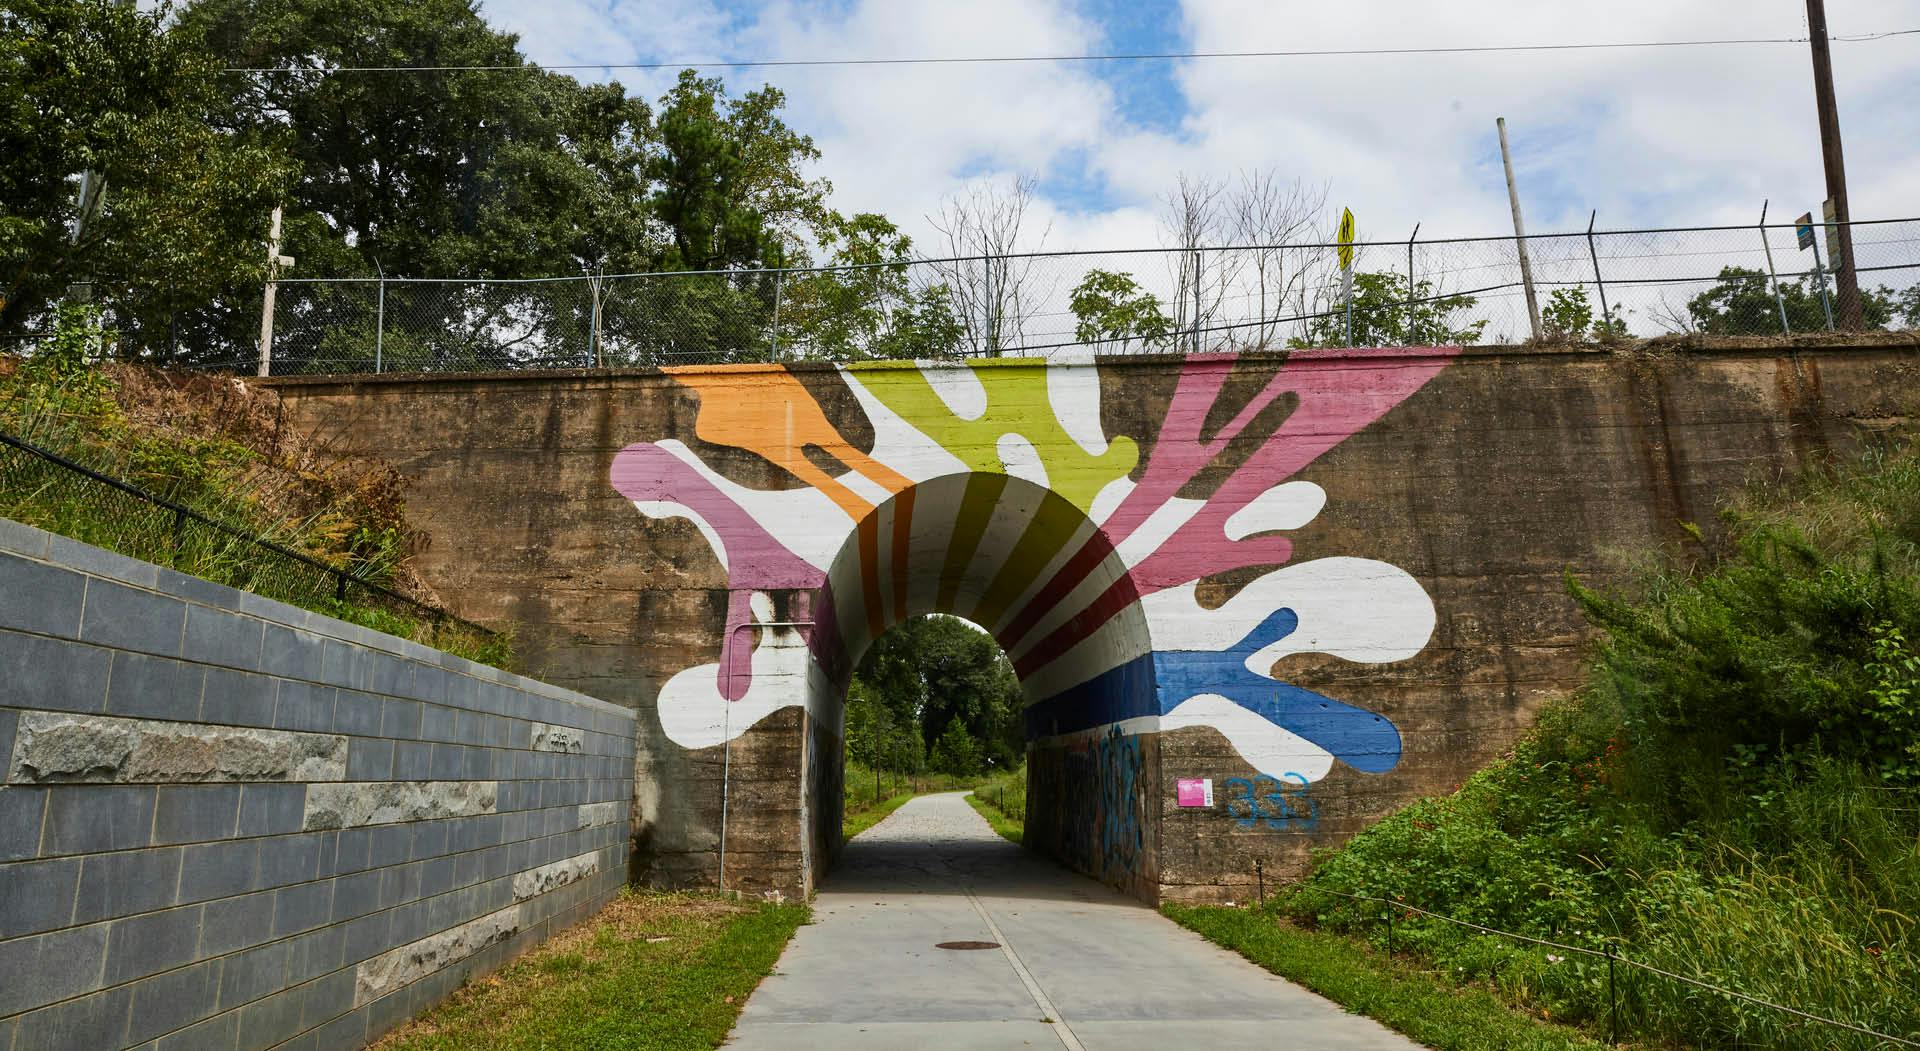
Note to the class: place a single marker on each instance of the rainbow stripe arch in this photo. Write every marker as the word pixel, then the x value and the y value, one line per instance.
pixel 993 491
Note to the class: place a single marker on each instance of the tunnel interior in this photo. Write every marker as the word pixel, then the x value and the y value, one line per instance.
pixel 1006 554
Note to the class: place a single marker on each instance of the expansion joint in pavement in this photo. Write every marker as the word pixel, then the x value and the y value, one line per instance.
pixel 1047 1009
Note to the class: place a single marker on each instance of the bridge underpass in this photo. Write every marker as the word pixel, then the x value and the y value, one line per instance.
pixel 1254 602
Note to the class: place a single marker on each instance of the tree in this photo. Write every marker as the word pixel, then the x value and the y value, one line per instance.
pixel 1569 317
pixel 1743 303
pixel 1112 309
pixel 1265 215
pixel 90 85
pixel 870 309
pixel 943 681
pixel 1382 317
pixel 989 286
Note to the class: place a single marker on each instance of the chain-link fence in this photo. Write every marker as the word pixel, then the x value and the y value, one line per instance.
pixel 1589 284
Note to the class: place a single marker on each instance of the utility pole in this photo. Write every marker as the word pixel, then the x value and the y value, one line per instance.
pixel 1846 278
pixel 1519 233
pixel 274 262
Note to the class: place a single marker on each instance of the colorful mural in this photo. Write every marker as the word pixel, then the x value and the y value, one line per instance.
pixel 993 492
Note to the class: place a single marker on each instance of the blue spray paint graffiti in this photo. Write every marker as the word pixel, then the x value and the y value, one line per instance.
pixel 1104 827
pixel 1287 807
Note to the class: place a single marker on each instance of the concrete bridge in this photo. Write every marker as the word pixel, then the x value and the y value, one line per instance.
pixel 1254 602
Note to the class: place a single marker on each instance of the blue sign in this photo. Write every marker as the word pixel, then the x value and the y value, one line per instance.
pixel 1803 228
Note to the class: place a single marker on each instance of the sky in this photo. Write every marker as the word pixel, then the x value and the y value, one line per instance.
pixel 1648 137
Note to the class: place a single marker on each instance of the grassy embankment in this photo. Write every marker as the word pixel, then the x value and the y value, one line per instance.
pixel 1735 796
pixel 215 445
pixel 1002 800
pixel 649 972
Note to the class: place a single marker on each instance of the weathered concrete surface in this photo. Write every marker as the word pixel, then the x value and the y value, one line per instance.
pixel 1505 470
pixel 1079 966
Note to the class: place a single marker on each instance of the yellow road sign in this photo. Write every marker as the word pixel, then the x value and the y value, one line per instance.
pixel 1346 239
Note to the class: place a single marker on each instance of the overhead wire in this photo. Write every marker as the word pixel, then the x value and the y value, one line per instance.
pixel 1161 56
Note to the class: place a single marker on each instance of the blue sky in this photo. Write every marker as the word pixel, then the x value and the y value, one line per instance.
pixel 1647 137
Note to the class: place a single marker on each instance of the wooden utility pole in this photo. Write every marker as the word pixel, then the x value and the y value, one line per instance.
pixel 1520 233
pixel 1846 277
pixel 274 262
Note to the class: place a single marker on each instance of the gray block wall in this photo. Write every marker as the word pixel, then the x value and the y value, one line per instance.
pixel 226 823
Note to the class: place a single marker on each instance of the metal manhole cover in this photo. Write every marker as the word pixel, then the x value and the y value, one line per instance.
pixel 967 945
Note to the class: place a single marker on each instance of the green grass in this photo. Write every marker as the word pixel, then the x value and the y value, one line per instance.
pixel 651 972
pixel 1421 1004
pixel 1010 826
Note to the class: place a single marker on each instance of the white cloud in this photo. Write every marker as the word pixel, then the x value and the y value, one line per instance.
pixel 1659 136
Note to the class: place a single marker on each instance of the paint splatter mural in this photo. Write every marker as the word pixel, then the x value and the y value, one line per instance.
pixel 993 492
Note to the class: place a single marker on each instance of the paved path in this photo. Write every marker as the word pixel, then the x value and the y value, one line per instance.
pixel 1080 966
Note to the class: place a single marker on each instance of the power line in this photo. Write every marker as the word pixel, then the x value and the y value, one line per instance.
pixel 1003 59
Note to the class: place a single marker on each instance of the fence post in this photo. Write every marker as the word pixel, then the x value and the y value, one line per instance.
pixel 339 586
pixel 379 324
pixel 1196 301
pixel 1259 883
pixel 777 274
pixel 1410 293
pixel 1389 906
pixel 1606 311
pixel 993 313
pixel 1778 300
pixel 1820 278
pixel 1613 1001
pixel 593 335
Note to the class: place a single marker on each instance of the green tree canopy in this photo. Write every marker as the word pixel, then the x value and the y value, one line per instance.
pixel 1112 308
pixel 1382 317
pixel 945 683
pixel 1743 304
pixel 88 85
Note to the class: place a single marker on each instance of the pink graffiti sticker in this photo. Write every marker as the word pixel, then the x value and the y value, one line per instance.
pixel 1194 791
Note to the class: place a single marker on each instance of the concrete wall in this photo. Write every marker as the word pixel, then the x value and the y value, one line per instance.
pixel 226 823
pixel 1416 511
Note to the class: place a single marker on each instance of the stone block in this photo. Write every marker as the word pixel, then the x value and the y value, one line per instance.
pixel 347 1031
pixel 269 1021
pixel 438 723
pixel 40 598
pixel 252 974
pixel 97 1021
pixel 152 942
pixel 387 674
pixel 303 706
pixel 37 896
pixel 356 803
pixel 356 713
pixel 8 720
pixel 534 882
pixel 290 653
pixel 218 870
pixel 370 759
pixel 154 687
pixel 412 760
pixel 342 663
pixel 449 762
pixel 99 562
pixel 315 953
pixel 130 618
pixel 273 810
pixel 52 674
pixel 219 1033
pixel 18 538
pixel 330 995
pixel 367 936
pixel 44 968
pixel 396 968
pixel 61 748
pixel 399 718
pixel 195 813
pixel 287 860
pixel 356 895
pixel 228 640
pixel 237 698
pixel 236 923
pixel 86 819
pixel 173 1000
pixel 549 738
pixel 22 811
pixel 302 908
pixel 351 848
pixel 390 844
pixel 126 883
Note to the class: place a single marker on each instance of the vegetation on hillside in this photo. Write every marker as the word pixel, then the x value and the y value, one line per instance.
pixel 1735 796
pixel 217 447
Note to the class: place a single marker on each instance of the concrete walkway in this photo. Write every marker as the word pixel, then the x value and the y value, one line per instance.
pixel 1078 966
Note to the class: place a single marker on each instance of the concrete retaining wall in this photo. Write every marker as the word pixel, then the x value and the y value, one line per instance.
pixel 226 823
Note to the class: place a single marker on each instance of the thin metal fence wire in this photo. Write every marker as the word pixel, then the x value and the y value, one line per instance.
pixel 1591 284
pixel 144 524
pixel 1609 954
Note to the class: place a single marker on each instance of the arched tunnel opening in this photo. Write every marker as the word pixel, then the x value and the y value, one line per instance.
pixel 1133 560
